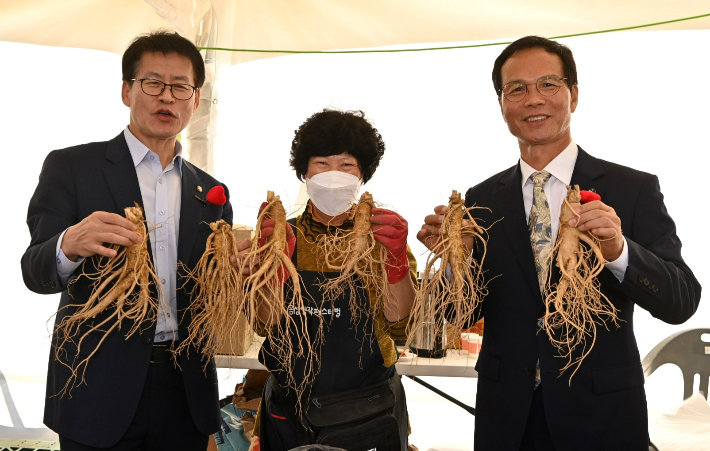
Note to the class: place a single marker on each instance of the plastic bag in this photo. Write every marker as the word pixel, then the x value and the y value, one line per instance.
pixel 231 436
pixel 687 428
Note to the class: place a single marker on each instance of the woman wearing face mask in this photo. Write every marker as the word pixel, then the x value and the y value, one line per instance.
pixel 335 152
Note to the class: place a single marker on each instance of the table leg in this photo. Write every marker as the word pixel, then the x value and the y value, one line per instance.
pixel 466 407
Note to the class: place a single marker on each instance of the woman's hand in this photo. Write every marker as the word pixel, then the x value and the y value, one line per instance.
pixel 267 229
pixel 391 229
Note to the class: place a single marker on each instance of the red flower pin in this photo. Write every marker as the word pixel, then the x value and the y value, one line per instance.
pixel 589 196
pixel 216 196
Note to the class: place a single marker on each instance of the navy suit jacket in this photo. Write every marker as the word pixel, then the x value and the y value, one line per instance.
pixel 74 183
pixel 605 406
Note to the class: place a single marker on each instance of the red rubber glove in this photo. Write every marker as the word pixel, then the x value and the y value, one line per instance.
pixel 267 228
pixel 390 229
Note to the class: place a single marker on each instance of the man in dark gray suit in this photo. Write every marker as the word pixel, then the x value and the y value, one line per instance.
pixel 132 395
pixel 523 401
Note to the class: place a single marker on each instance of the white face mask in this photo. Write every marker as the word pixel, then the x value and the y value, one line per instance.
pixel 333 192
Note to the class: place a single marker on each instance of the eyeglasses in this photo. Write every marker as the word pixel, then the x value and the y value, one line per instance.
pixel 547 85
pixel 153 87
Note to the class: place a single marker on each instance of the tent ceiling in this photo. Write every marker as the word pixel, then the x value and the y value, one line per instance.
pixel 329 24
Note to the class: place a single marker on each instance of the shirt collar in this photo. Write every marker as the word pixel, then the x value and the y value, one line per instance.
pixel 561 167
pixel 139 151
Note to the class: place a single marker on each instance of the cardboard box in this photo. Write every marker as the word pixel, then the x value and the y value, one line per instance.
pixel 240 340
pixel 242 334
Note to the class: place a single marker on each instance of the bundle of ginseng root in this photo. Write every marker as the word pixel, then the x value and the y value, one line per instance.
pixel 121 287
pixel 269 297
pixel 575 305
pixel 359 259
pixel 217 299
pixel 455 293
pixel 222 293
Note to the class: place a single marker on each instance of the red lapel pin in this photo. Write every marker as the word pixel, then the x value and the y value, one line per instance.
pixel 216 196
pixel 587 196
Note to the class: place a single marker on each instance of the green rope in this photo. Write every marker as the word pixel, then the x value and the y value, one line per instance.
pixel 450 47
pixel 631 28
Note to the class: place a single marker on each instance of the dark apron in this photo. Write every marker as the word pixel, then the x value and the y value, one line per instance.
pixel 350 358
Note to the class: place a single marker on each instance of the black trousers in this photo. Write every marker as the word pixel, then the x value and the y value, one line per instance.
pixel 537 434
pixel 162 421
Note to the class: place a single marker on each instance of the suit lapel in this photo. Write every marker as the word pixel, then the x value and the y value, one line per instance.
pixel 191 215
pixel 588 173
pixel 121 175
pixel 509 202
pixel 191 210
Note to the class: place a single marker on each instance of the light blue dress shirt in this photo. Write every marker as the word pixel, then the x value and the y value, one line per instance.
pixel 161 194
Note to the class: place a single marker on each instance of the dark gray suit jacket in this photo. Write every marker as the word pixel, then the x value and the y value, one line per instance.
pixel 605 406
pixel 74 183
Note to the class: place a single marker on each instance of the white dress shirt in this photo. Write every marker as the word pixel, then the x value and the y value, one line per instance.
pixel 561 169
pixel 161 194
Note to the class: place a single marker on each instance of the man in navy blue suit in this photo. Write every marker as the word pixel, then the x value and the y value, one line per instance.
pixel 524 401
pixel 132 394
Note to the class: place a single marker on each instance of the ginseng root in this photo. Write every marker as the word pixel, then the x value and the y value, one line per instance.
pixel 217 297
pixel 121 287
pixel 575 305
pixel 360 259
pixel 455 296
pixel 264 288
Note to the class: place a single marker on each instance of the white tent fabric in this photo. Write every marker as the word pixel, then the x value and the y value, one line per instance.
pixel 306 25
pixel 315 25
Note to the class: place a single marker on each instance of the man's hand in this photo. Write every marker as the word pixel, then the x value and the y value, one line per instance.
pixel 601 220
pixel 390 229
pixel 89 236
pixel 430 233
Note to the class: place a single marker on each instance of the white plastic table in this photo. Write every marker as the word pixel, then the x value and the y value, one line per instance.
pixel 454 364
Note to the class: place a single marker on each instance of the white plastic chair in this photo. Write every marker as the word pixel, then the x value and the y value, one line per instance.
pixel 689 352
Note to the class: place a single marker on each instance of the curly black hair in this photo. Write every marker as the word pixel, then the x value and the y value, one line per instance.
pixel 332 132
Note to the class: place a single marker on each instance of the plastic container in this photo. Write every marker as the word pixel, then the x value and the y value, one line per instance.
pixel 474 344
pixel 465 343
